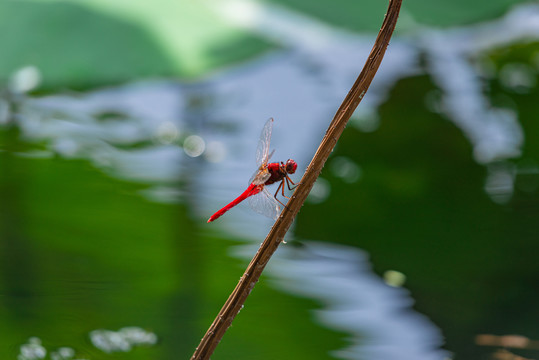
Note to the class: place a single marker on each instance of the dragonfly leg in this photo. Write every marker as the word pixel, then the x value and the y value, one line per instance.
pixel 284 205
pixel 281 186
pixel 288 182
pixel 282 190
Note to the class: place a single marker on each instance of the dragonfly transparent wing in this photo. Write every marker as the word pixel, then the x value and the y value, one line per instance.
pixel 262 151
pixel 264 203
pixel 260 176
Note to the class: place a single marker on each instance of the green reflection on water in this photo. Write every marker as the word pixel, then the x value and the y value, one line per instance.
pixel 420 208
pixel 81 251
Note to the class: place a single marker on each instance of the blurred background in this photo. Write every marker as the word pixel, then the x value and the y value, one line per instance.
pixel 125 124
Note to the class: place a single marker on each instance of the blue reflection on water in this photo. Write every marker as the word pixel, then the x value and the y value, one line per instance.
pixel 378 317
pixel 108 341
pixel 361 303
pixel 123 340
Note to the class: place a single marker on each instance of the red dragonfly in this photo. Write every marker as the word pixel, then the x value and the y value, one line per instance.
pixel 260 199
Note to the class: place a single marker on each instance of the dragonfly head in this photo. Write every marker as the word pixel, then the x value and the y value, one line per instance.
pixel 291 166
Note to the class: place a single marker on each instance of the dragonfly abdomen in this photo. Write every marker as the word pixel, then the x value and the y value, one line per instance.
pixel 251 190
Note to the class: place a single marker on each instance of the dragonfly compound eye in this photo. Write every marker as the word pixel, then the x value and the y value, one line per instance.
pixel 291 166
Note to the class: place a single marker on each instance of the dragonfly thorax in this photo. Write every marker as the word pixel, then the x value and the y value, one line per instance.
pixel 278 171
